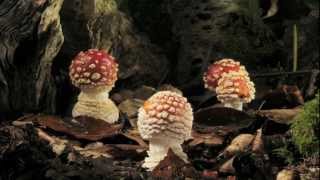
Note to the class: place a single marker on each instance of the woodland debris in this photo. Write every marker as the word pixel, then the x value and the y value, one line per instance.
pixel 209 139
pixel 257 143
pixel 227 167
pixel 172 166
pixel 286 96
pixel 58 145
pixel 130 108
pixel 284 116
pixel 222 116
pixel 239 144
pixel 286 174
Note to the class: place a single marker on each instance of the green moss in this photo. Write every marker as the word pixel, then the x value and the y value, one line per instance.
pixel 285 153
pixel 305 128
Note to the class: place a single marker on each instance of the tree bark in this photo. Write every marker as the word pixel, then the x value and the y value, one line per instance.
pixel 31 37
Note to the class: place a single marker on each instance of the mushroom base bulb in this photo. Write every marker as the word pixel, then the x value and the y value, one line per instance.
pixel 158 149
pixel 96 104
pixel 238 105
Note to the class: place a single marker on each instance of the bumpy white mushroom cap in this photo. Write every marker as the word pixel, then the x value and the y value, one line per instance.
pixel 235 86
pixel 166 121
pixel 165 113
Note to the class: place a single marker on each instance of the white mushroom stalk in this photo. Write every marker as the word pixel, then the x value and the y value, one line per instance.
pixel 234 89
pixel 95 73
pixel 166 121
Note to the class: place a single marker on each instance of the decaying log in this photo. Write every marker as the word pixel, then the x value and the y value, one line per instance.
pixel 31 37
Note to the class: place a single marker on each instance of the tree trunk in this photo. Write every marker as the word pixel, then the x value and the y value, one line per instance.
pixel 31 37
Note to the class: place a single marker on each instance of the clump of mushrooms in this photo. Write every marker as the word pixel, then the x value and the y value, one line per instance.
pixel 95 73
pixel 234 89
pixel 218 69
pixel 231 82
pixel 165 120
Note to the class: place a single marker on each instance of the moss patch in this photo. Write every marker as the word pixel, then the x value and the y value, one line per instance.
pixel 305 128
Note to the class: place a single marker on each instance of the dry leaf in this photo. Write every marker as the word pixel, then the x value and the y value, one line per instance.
pixel 286 174
pixel 172 167
pixel 284 116
pixel 57 144
pixel 210 139
pixel 257 144
pixel 207 174
pixel 94 150
pixel 239 144
pixel 135 136
pixel 273 9
pixel 81 127
pixel 227 167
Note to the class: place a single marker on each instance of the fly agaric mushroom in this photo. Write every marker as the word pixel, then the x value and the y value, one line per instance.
pixel 234 89
pixel 218 69
pixel 95 73
pixel 166 121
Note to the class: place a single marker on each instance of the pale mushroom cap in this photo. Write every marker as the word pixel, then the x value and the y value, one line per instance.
pixel 218 69
pixel 167 114
pixel 235 86
pixel 93 68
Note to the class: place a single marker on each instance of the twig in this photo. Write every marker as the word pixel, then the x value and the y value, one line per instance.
pixel 312 81
pixel 295 47
pixel 282 73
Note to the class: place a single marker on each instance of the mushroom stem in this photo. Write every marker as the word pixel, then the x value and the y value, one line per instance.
pixel 158 149
pixel 96 103
pixel 238 105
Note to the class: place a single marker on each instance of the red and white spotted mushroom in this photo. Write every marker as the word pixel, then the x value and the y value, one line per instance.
pixel 234 89
pixel 165 120
pixel 95 73
pixel 218 69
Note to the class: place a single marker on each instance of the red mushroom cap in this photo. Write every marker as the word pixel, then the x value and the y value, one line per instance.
pixel 217 69
pixel 93 68
pixel 234 86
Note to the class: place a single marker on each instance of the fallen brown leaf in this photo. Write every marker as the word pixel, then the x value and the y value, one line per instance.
pixel 135 136
pixel 172 167
pixel 81 127
pixel 227 167
pixel 210 139
pixel 239 144
pixel 257 144
pixel 284 116
pixel 207 174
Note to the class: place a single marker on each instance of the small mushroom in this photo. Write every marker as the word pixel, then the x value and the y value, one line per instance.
pixel 165 120
pixel 218 69
pixel 234 89
pixel 95 73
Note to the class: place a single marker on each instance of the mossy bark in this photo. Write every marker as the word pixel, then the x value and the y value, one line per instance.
pixel 31 38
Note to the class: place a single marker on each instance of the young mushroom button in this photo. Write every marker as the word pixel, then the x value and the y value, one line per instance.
pixel 234 89
pixel 218 69
pixel 95 73
pixel 166 121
